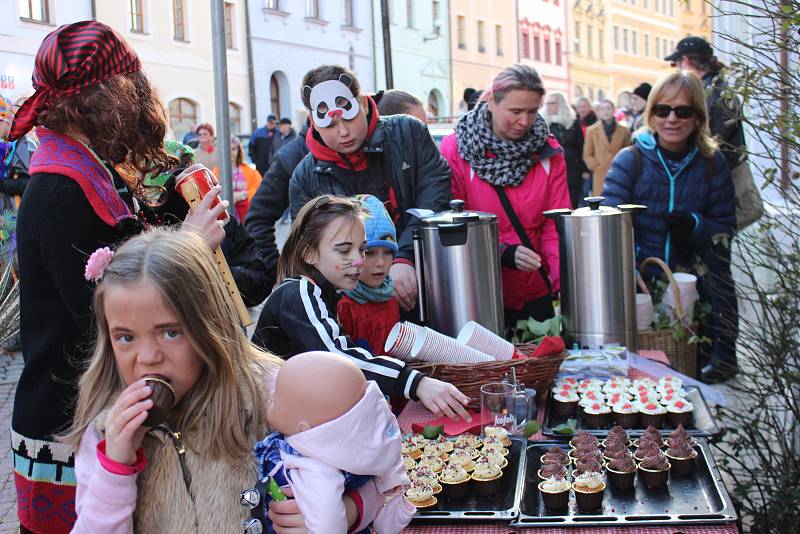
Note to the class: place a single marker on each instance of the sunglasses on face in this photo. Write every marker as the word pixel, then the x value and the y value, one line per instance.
pixel 682 112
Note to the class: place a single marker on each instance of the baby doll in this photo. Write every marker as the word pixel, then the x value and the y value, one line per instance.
pixel 331 426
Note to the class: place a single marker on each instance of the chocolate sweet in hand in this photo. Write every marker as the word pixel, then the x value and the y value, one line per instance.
pixel 163 397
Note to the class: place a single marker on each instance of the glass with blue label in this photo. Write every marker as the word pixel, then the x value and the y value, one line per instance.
pixel 497 407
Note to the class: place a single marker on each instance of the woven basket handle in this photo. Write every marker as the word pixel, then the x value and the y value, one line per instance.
pixel 676 292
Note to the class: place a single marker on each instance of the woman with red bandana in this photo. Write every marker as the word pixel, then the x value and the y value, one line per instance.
pixel 355 151
pixel 101 129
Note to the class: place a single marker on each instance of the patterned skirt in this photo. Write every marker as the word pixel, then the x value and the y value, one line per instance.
pixel 44 474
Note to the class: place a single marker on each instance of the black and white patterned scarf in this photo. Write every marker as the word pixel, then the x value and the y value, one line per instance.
pixel 497 161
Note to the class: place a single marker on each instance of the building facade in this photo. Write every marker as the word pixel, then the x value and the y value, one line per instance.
pixel 483 40
pixel 22 29
pixel 289 37
pixel 420 42
pixel 173 40
pixel 643 33
pixel 543 41
pixel 588 53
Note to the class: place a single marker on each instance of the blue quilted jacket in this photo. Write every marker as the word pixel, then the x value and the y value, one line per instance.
pixel 666 186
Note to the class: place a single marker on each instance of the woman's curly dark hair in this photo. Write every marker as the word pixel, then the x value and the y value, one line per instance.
pixel 124 120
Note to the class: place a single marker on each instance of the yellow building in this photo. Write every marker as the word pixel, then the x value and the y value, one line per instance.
pixel 642 33
pixel 589 69
pixel 173 41
pixel 483 42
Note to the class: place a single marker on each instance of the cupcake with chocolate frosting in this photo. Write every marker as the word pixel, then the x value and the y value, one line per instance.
pixel 654 469
pixel 646 447
pixel 621 472
pixel 583 437
pixel 555 455
pixel 588 465
pixel 552 470
pixel 678 435
pixel 681 455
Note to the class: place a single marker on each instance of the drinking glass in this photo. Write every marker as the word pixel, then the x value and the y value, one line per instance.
pixel 497 406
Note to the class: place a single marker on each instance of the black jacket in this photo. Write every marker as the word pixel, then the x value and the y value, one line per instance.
pixel 725 119
pixel 271 200
pixel 571 140
pixel 18 171
pixel 279 141
pixel 259 148
pixel 300 316
pixel 404 167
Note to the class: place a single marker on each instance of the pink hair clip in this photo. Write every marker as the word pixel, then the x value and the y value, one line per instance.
pixel 97 263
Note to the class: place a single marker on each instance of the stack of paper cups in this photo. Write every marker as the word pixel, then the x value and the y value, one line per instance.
pixel 432 346
pixel 687 284
pixel 401 338
pixel 484 340
pixel 644 311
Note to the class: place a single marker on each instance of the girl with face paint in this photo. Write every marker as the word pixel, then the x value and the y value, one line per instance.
pixel 324 255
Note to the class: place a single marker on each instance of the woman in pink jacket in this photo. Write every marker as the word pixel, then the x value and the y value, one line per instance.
pixel 504 161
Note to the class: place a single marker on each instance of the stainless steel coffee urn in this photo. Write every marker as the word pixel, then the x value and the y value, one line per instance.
pixel 458 270
pixel 598 284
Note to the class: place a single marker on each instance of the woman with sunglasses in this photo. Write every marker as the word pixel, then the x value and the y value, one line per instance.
pixel 676 170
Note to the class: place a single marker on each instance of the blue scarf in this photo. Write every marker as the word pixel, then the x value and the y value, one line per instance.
pixel 362 293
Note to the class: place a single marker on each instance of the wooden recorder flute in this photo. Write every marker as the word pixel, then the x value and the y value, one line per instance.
pixel 191 193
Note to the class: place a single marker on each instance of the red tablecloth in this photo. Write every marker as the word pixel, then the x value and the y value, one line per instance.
pixel 416 412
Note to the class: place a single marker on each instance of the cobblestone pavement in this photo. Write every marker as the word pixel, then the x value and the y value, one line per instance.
pixel 10 369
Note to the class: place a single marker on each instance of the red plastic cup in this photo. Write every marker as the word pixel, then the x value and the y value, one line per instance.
pixel 203 179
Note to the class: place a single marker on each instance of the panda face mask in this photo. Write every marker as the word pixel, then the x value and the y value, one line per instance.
pixel 330 99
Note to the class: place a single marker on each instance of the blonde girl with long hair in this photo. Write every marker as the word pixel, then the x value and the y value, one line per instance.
pixel 675 169
pixel 162 310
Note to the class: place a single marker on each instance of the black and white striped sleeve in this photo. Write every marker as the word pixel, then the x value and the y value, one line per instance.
pixel 306 320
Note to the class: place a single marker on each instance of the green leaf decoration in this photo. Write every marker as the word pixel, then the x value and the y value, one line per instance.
pixel 532 428
pixel 432 432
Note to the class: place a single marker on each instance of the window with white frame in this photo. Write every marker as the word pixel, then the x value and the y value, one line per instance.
pixel 600 45
pixel 35 10
pixel 274 5
pixel 436 8
pixel 647 45
pixel 137 16
pixel 625 39
pixel 461 29
pixel 589 38
pixel 179 20
pixel 481 36
pixel 498 39
pixel 635 42
pixel 410 13
pixel 558 49
pixel 182 116
pixel 577 37
pixel 230 25
pixel 616 37
pixel 526 43
pixel 349 15
pixel 312 9
pixel 547 56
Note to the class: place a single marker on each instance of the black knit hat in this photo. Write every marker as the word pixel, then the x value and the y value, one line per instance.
pixel 643 91
pixel 691 46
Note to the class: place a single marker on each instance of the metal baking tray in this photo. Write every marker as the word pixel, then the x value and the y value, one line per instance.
pixel 704 424
pixel 501 507
pixel 699 498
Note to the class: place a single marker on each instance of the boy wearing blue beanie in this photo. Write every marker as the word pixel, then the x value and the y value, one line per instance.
pixel 368 312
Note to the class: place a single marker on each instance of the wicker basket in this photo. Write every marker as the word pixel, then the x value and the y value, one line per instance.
pixel 682 354
pixel 535 372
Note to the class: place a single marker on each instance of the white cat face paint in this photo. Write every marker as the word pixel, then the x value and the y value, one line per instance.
pixel 332 98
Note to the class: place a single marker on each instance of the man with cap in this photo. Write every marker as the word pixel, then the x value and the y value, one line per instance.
pixel 260 147
pixel 284 136
pixel 694 54
pixel 638 103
